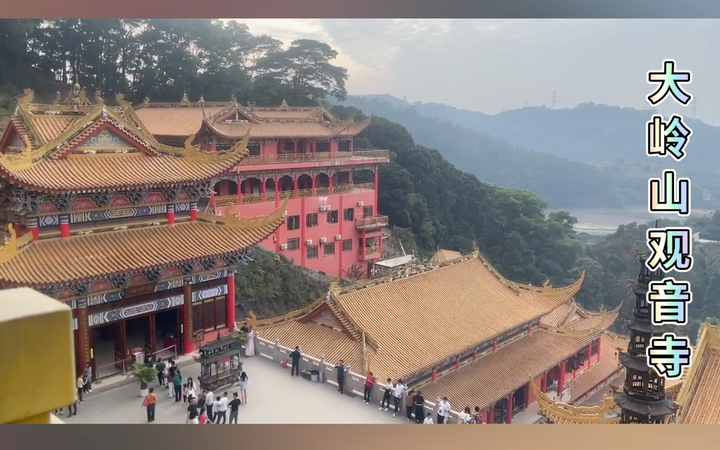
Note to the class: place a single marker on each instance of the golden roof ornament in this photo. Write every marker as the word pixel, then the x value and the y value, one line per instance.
pixel 252 319
pixel 27 97
pixel 335 287
pixel 146 101
pixel 77 98
pixel 185 101
pixel 98 98
pixel 19 161
pixel 195 153
pixel 201 102
pixel 284 106
pixel 13 244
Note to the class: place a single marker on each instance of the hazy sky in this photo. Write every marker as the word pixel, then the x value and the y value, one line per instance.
pixel 495 65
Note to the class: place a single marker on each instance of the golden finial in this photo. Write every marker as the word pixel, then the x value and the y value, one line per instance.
pixel 98 98
pixel 284 106
pixel 120 99
pixel 146 101
pixel 58 98
pixel 185 101
pixel 233 99
pixel 252 319
pixel 335 287
pixel 194 153
pixel 13 245
pixel 546 285
pixel 201 102
pixel 20 161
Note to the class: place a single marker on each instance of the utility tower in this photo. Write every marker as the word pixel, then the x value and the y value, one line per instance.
pixel 554 99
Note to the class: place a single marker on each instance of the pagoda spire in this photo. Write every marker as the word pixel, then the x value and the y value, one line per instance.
pixel 642 399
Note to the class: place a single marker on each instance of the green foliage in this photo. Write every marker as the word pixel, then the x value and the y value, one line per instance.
pixel 273 284
pixel 164 58
pixel 143 373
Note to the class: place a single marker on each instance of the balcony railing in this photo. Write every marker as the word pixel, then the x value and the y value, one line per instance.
pixel 229 200
pixel 369 223
pixel 314 157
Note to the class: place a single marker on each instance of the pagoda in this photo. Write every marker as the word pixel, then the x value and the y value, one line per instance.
pixel 106 219
pixel 643 398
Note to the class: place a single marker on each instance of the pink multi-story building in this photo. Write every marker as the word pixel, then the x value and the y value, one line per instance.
pixel 302 155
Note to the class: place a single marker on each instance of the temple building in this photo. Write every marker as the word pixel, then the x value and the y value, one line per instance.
pixel 106 219
pixel 303 155
pixel 693 399
pixel 463 331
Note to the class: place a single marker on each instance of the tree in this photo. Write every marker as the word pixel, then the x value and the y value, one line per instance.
pixel 304 71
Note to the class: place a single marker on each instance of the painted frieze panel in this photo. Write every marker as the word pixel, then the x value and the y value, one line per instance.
pixel 135 310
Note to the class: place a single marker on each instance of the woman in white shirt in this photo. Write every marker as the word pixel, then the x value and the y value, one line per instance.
pixel 191 389
pixel 443 410
pixel 465 416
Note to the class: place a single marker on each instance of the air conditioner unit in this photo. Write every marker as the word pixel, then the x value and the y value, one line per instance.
pixel 308 242
pixel 283 246
pixel 323 240
pixel 325 208
pixel 360 203
pixel 338 237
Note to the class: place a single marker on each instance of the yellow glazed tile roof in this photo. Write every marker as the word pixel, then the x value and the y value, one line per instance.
pixel 453 308
pixel 606 366
pixel 699 397
pixel 175 121
pixel 495 375
pixel 92 256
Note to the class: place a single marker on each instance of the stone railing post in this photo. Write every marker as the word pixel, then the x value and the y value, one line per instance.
pixel 276 352
pixel 31 388
pixel 321 376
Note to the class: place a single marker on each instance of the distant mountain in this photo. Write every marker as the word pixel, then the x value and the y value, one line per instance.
pixel 588 156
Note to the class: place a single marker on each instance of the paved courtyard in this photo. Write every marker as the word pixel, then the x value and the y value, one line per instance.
pixel 273 397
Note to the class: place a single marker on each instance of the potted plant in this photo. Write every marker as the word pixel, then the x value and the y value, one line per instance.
pixel 145 375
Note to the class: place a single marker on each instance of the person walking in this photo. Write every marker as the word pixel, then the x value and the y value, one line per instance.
pixel 222 408
pixel 234 408
pixel 72 408
pixel 191 389
pixel 178 386
pixel 466 416
pixel 428 419
pixel 149 404
pixel 341 368
pixel 369 383
pixel 295 357
pixel 419 407
pixel 80 384
pixel 87 377
pixel 210 405
pixel 192 413
pixel 171 372
pixel 243 388
pixel 389 387
pixel 216 409
pixel 478 416
pixel 398 393
pixel 160 367
pixel 410 404
pixel 443 409
pixel 250 343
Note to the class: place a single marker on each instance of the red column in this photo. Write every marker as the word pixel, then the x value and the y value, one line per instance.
pixel 231 301
pixel 527 395
pixel 193 211
pixel 295 146
pixel 313 183
pixel 509 416
pixel 474 355
pixel 32 225
pixel 589 354
pixel 494 346
pixel 457 364
pixel 434 375
pixel 295 186
pixel 350 176
pixel 529 329
pixel 187 320
pixel 18 229
pixel 171 214
pixel 303 229
pixel 491 414
pixel 277 192
pixel 561 378
pixel 543 382
pixel 212 197
pixel 263 188
pixel 377 207
pixel 239 190
pixel 64 226
pixel 330 184
pixel 381 244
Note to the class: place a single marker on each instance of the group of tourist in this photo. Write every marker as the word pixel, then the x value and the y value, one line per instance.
pixel 203 407
pixel 83 385
pixel 393 394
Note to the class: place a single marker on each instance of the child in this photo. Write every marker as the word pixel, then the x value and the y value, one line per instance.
pixel 185 392
pixel 203 417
